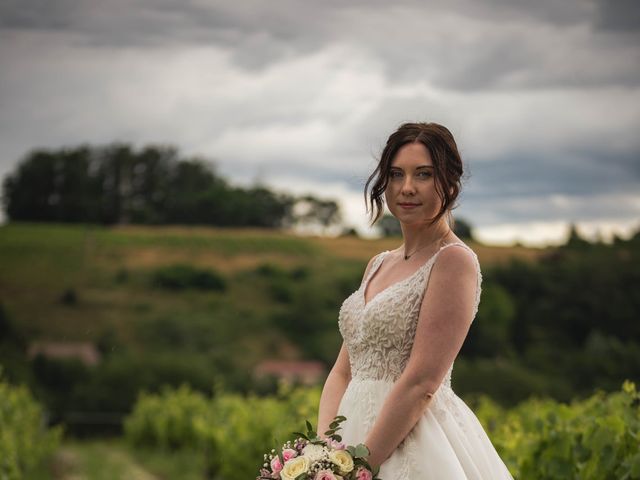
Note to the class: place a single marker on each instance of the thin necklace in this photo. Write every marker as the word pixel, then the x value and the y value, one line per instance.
pixel 407 257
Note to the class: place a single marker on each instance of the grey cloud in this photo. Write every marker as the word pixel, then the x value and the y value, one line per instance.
pixel 590 173
pixel 530 188
pixel 618 15
pixel 460 45
pixel 38 14
pixel 258 33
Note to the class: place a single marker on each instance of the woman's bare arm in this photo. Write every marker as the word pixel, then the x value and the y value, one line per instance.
pixel 333 390
pixel 445 316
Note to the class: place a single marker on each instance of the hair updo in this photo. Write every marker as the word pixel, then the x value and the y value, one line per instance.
pixel 447 166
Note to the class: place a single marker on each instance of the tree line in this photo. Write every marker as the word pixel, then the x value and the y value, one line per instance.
pixel 117 184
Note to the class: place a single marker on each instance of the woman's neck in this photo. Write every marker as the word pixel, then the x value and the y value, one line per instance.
pixel 419 236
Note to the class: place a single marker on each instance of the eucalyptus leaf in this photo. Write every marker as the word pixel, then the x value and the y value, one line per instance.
pixel 361 450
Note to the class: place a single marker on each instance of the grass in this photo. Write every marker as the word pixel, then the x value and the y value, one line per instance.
pixel 115 460
pixel 109 269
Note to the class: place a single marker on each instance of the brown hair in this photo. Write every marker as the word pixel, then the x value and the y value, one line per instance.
pixel 447 166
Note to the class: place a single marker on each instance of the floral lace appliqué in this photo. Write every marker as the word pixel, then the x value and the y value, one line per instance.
pixel 379 334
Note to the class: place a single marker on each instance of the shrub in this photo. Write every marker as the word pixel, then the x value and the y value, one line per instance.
pixel 24 440
pixel 269 270
pixel 168 420
pixel 543 439
pixel 229 428
pixel 281 291
pixel 122 275
pixel 69 297
pixel 546 440
pixel 180 277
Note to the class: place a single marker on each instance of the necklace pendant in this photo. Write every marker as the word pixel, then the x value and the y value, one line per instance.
pixel 406 257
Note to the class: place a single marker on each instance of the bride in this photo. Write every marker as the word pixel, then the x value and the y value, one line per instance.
pixel 403 328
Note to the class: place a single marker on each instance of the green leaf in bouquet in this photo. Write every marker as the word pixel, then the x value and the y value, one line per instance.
pixel 361 450
pixel 352 450
pixel 300 434
pixel 311 433
pixel 302 476
pixel 337 438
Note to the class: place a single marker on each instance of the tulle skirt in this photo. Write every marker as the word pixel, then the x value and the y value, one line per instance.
pixel 447 443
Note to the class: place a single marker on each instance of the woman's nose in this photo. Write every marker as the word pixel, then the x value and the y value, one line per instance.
pixel 408 186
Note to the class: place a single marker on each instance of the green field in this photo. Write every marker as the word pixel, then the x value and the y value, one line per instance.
pixel 167 306
pixel 109 269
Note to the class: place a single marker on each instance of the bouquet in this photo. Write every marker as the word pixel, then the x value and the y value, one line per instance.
pixel 309 457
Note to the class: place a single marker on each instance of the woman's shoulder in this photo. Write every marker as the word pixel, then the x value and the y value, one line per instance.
pixel 457 257
pixel 462 247
pixel 458 265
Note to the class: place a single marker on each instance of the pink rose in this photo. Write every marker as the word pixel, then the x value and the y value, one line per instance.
pixel 288 454
pixel 363 474
pixel 325 475
pixel 336 445
pixel 276 466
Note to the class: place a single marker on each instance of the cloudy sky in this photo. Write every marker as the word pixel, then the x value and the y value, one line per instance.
pixel 543 97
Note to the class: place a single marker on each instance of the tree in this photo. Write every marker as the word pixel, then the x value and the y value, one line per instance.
pixel 117 184
pixel 463 229
pixel 575 240
pixel 389 226
pixel 310 210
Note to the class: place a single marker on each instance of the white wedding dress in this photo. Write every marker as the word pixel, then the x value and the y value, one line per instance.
pixel 448 442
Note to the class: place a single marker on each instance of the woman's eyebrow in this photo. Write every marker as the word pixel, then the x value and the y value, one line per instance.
pixel 417 168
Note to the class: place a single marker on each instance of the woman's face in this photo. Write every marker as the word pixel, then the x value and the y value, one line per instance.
pixel 411 192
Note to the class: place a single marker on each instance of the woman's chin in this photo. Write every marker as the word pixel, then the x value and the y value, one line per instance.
pixel 412 221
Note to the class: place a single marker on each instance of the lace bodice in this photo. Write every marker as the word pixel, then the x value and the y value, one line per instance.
pixel 379 334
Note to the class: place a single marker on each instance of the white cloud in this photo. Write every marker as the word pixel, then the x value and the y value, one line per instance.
pixel 540 234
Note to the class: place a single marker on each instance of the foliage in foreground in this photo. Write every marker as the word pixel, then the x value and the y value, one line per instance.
pixel 228 428
pixel 594 438
pixel 24 441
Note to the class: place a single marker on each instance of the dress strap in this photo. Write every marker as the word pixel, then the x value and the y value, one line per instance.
pixel 377 261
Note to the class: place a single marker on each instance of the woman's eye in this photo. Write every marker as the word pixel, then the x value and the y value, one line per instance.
pixel 395 174
pixel 425 174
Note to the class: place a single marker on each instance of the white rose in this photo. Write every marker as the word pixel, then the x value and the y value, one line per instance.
pixel 342 459
pixel 294 467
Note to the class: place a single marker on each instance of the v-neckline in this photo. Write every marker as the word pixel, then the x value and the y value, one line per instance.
pixel 379 264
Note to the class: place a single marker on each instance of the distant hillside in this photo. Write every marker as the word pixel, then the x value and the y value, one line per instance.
pixel 108 270
pixel 170 305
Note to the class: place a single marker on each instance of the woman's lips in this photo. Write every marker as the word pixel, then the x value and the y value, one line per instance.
pixel 409 206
